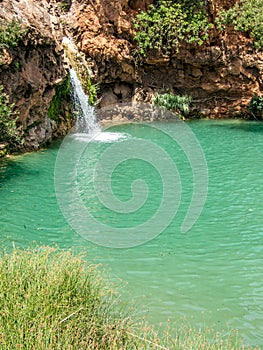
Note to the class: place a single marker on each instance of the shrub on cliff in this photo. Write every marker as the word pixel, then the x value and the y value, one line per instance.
pixel 171 22
pixel 11 33
pixel 92 90
pixel 256 106
pixel 245 16
pixel 9 132
pixel 62 93
pixel 175 103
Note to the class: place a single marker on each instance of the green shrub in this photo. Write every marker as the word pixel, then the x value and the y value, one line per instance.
pixel 172 22
pixel 9 132
pixel 65 5
pixel 256 106
pixel 11 33
pixel 175 103
pixel 245 16
pixel 92 90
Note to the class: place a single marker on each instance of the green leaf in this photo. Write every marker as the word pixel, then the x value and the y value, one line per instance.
pixel 166 26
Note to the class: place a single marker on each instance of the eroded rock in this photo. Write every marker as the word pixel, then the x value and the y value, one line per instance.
pixel 31 71
pixel 221 75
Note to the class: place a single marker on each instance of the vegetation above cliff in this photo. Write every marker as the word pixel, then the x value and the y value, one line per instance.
pixel 164 27
pixel 246 16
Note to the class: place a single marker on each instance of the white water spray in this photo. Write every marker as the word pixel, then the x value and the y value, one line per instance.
pixel 85 116
pixel 87 127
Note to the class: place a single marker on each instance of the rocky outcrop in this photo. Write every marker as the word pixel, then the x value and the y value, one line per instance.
pixel 221 75
pixel 31 71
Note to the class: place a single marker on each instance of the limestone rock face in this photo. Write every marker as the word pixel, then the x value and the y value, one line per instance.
pixel 221 75
pixel 103 31
pixel 31 71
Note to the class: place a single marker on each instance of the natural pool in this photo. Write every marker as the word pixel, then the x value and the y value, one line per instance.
pixel 211 275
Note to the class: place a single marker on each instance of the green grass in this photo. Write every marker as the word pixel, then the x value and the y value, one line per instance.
pixel 51 299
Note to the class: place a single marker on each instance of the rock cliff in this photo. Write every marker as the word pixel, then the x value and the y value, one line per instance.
pixel 31 71
pixel 221 75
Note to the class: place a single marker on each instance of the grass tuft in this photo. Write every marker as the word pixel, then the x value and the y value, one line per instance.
pixel 51 299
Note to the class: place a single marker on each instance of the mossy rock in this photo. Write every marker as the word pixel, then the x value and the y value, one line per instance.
pixel 62 93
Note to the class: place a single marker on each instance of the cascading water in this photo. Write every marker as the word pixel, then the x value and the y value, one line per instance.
pixel 87 127
pixel 85 117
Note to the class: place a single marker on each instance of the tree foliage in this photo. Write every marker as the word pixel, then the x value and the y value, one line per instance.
pixel 171 22
pixel 245 16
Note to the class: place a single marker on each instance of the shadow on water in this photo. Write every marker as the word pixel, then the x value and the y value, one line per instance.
pixel 242 125
pixel 10 169
pixel 34 164
pixel 247 126
pixel 17 168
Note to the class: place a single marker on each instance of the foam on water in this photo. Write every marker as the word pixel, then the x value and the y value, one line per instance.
pixel 103 136
pixel 88 129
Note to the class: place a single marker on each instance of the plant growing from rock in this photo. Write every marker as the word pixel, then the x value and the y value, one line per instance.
pixel 174 103
pixel 92 90
pixel 62 92
pixel 11 33
pixel 164 27
pixel 9 132
pixel 245 16
pixel 256 106
pixel 65 5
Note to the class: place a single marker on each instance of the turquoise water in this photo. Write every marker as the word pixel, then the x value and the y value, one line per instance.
pixel 211 275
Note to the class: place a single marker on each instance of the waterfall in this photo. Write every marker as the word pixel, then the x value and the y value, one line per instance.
pixel 85 116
